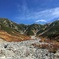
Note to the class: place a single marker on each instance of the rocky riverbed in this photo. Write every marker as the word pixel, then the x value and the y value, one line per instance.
pixel 23 50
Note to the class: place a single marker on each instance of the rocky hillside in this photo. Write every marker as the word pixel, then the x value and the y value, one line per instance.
pixel 33 29
pixel 11 34
pixel 8 25
pixel 50 30
pixel 11 31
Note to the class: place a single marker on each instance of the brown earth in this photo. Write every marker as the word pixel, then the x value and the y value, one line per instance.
pixel 15 38
pixel 52 45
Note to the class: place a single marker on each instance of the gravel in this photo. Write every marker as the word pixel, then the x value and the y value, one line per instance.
pixel 23 50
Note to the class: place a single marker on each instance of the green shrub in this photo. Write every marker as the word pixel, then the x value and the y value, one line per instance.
pixel 30 32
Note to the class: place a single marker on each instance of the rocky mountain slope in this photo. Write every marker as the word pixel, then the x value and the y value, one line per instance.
pixel 51 31
pixel 10 26
pixel 23 32
pixel 11 31
pixel 11 34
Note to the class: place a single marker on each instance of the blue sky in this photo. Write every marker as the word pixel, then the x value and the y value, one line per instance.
pixel 30 11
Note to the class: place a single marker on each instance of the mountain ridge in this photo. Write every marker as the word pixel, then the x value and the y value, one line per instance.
pixel 47 30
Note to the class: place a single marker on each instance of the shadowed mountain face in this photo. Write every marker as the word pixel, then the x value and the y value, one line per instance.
pixel 22 31
pixel 51 31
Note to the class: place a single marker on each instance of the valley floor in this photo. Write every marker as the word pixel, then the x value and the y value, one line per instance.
pixel 24 50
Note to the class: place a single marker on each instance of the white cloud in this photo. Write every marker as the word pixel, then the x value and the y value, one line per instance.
pixel 46 15
pixel 41 20
pixel 56 12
